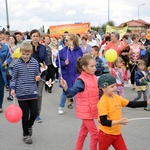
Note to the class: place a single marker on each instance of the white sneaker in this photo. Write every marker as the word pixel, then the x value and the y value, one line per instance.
pixel 60 111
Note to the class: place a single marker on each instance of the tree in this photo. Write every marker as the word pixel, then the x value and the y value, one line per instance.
pixel 3 30
pixel 48 31
pixel 98 29
pixel 128 30
pixel 111 23
pixel 95 28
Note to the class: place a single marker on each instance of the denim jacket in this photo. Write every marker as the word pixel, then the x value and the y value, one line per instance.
pixel 138 76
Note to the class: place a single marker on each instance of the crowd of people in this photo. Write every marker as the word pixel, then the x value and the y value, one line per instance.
pixel 88 80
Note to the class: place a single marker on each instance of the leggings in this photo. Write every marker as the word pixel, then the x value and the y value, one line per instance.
pixel 140 95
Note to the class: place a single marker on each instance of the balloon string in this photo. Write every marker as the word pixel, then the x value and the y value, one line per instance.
pixel 14 100
pixel 67 52
pixel 144 118
pixel 7 58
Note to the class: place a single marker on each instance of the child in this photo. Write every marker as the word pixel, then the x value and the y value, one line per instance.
pixel 99 63
pixel 119 72
pixel 23 85
pixel 141 81
pixel 110 114
pixel 87 97
pixel 105 63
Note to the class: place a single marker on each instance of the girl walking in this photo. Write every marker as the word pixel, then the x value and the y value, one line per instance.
pixel 141 81
pixel 120 73
pixel 87 95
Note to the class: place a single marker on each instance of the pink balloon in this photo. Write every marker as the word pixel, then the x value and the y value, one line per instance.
pixel 13 113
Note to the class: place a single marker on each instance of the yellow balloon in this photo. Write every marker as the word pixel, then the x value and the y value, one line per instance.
pixel 111 55
pixel 17 53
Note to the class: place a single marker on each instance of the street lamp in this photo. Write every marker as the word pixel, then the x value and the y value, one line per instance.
pixel 7 17
pixel 139 13
pixel 108 10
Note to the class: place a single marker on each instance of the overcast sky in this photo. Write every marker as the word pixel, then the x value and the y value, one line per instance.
pixel 28 14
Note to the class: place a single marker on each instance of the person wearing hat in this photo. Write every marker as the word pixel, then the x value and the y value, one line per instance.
pixel 19 38
pixel 110 114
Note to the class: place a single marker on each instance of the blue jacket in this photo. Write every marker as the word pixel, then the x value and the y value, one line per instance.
pixel 138 75
pixel 99 66
pixel 4 56
pixel 23 79
pixel 69 71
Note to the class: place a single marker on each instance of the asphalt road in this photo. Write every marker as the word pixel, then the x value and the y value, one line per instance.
pixel 59 132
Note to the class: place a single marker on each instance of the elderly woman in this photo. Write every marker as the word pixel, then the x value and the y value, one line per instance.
pixel 66 61
pixel 115 43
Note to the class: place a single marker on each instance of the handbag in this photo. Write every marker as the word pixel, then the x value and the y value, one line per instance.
pixel 8 76
pixel 142 52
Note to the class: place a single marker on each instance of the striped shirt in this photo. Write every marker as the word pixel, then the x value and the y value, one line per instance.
pixel 23 79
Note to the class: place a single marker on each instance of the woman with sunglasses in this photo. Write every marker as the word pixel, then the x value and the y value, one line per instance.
pixel 66 61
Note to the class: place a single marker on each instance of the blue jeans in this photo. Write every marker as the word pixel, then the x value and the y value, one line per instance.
pixel 1 90
pixel 62 100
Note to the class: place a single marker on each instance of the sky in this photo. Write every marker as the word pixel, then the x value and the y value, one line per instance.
pixel 33 14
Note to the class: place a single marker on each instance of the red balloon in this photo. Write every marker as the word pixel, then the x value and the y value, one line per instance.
pixel 13 113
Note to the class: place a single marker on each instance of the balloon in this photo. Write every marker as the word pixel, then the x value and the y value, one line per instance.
pixel 111 55
pixel 13 113
pixel 17 53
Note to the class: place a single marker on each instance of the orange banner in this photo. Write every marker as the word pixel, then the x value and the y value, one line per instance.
pixel 59 30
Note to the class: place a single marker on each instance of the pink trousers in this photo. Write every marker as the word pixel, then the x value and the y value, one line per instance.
pixel 88 125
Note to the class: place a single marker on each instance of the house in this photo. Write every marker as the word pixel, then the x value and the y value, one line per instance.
pixel 136 26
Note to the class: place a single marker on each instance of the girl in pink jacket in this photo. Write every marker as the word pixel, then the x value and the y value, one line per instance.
pixel 87 95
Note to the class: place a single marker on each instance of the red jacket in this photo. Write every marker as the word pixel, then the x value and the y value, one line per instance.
pixel 86 101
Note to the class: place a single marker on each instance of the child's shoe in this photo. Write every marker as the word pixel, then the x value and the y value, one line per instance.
pixel 27 139
pixel 147 108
